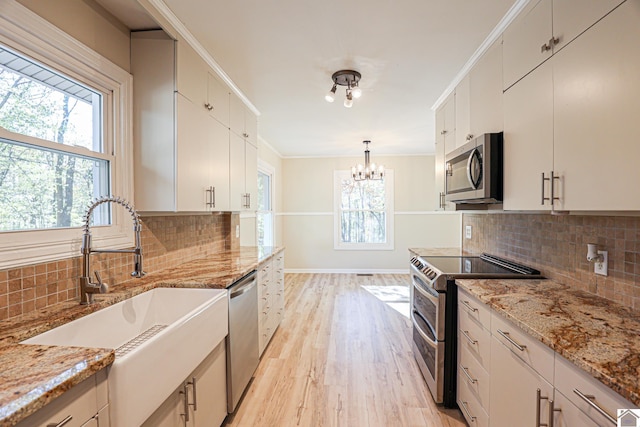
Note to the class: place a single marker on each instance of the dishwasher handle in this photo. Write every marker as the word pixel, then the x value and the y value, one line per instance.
pixel 243 285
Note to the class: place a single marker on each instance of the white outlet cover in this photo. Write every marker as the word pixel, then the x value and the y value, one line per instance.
pixel 602 267
pixel 237 231
pixel 467 231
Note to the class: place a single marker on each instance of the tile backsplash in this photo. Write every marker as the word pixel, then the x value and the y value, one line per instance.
pixel 166 241
pixel 557 246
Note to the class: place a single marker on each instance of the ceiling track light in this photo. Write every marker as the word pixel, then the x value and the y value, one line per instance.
pixel 350 79
pixel 368 171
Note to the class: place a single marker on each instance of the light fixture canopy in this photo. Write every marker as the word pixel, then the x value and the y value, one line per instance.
pixel 368 171
pixel 350 79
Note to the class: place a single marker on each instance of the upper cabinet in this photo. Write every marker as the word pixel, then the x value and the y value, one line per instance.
pixel 445 142
pixel 570 125
pixel 181 150
pixel 463 113
pixel 485 93
pixel 543 29
pixel 242 121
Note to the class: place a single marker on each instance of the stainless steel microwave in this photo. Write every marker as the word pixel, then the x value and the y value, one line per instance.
pixel 473 172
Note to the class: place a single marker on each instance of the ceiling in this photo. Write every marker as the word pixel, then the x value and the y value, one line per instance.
pixel 282 54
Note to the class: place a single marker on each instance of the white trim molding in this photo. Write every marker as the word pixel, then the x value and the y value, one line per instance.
pixel 304 214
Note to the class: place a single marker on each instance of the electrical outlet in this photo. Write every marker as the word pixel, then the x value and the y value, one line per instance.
pixel 467 231
pixel 602 267
pixel 237 231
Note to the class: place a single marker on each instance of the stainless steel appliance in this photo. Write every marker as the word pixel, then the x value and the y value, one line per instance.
pixel 242 341
pixel 434 312
pixel 473 172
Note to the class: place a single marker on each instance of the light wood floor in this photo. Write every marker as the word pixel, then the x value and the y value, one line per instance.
pixel 340 357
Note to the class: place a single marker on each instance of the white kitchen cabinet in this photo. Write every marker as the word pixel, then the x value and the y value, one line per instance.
pixel 202 396
pixel 445 142
pixel 218 98
pixel 514 385
pixel 80 406
pixel 485 93
pixel 181 153
pixel 242 120
pixel 568 415
pixel 528 141
pixel 574 116
pixel 244 174
pixel 463 113
pixel 270 298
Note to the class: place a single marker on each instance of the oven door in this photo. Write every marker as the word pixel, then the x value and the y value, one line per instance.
pixel 427 316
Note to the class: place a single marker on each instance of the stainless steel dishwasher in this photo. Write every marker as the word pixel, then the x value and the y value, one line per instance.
pixel 242 341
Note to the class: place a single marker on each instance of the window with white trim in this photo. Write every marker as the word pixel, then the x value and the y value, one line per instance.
pixel 363 212
pixel 65 138
pixel 264 213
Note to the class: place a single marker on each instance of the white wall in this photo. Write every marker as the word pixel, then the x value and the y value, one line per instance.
pixel 307 215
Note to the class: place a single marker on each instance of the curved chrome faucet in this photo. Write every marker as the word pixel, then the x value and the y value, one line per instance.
pixel 88 288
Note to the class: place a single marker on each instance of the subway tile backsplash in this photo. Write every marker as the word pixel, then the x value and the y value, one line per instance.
pixel 557 246
pixel 166 241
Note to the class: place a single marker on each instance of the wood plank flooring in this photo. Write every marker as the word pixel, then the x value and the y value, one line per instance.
pixel 341 357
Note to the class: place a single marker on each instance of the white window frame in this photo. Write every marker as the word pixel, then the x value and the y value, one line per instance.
pixel 267 169
pixel 338 176
pixel 31 35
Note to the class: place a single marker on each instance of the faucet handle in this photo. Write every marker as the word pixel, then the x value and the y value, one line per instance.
pixel 104 288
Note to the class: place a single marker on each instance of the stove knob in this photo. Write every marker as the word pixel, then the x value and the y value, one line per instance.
pixel 432 275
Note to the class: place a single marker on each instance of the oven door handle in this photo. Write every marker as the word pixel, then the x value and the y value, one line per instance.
pixel 433 298
pixel 422 333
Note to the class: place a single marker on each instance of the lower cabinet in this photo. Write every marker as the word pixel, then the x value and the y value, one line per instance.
pixel 201 400
pixel 270 298
pixel 86 404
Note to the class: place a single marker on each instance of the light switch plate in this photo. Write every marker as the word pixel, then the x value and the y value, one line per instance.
pixel 602 267
pixel 467 232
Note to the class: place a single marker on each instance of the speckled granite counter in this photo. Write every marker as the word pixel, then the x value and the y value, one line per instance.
pixel 597 335
pixel 31 376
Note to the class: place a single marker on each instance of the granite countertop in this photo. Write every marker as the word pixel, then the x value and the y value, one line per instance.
pixel 435 251
pixel 34 375
pixel 597 335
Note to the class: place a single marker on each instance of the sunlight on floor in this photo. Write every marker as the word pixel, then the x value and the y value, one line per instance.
pixel 396 297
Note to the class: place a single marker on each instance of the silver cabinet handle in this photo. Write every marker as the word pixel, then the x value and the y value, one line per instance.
pixel 466 410
pixel 466 373
pixel 545 48
pixel 471 340
pixel 61 423
pixel 192 383
pixel 185 391
pixel 551 183
pixel 466 304
pixel 469 137
pixel 443 132
pixel 539 397
pixel 208 106
pixel 508 338
pixel 542 200
pixel 212 197
pixel 552 413
pixel 591 401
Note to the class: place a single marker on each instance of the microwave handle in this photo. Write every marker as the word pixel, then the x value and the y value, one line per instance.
pixel 474 184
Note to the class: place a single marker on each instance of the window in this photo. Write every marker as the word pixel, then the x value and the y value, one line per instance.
pixel 363 212
pixel 264 214
pixel 65 138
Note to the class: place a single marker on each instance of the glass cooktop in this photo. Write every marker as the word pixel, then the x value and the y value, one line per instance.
pixel 475 265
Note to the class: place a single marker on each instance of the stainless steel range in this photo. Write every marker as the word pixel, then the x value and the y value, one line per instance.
pixel 434 308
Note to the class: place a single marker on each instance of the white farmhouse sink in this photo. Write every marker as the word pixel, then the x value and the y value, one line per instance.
pixel 185 325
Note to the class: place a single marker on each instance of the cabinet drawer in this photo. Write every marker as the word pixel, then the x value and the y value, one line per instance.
pixel 569 415
pixel 569 380
pixel 472 337
pixel 80 403
pixel 469 306
pixel 533 352
pixel 264 272
pixel 476 377
pixel 470 407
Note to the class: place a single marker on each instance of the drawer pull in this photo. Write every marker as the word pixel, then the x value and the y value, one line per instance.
pixel 591 401
pixel 466 304
pixel 466 410
pixel 466 373
pixel 61 423
pixel 471 340
pixel 508 338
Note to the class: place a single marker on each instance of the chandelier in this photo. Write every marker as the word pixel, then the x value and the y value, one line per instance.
pixel 368 171
pixel 348 78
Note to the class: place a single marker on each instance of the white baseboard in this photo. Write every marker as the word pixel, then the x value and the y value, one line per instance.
pixel 346 271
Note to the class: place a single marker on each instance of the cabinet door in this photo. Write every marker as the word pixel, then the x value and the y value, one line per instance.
pixel 193 155
pixel 170 413
pixel 93 422
pixel 236 172
pixel 523 40
pixel 191 75
pixel 449 134
pixel 528 140
pixel 568 414
pixel 485 92
pixel 219 163
pixel 596 107
pixel 513 389
pixel 251 127
pixel 211 390
pixel 236 115
pixel 218 99
pixel 439 171
pixel 251 175
pixel 572 17
pixel 462 120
